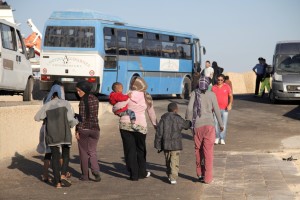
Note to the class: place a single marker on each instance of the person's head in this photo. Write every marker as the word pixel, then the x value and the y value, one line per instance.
pixel 263 61
pixel 226 78
pixel 260 60
pixel 220 79
pixel 83 87
pixel 117 87
pixel 207 64
pixel 214 64
pixel 138 84
pixel 57 82
pixel 204 83
pixel 172 107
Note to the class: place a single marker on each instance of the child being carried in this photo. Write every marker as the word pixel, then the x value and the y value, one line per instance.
pixel 117 96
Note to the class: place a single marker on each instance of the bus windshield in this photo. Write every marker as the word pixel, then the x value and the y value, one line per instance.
pixel 288 63
pixel 70 36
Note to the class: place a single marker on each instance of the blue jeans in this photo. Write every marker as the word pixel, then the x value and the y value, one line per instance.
pixel 224 116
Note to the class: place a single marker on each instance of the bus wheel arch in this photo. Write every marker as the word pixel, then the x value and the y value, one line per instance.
pixel 186 88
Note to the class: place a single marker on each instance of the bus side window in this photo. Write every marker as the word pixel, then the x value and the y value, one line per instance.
pixel 110 41
pixel 122 42
pixel 110 62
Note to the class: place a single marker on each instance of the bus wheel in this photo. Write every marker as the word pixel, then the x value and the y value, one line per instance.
pixel 272 97
pixel 186 89
pixel 27 95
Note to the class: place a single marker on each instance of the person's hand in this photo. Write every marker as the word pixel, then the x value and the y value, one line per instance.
pixel 77 136
pixel 229 107
pixel 155 127
pixel 221 128
pixel 129 94
pixel 159 150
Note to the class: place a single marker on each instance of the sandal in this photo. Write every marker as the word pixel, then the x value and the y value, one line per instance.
pixel 65 182
pixel 68 175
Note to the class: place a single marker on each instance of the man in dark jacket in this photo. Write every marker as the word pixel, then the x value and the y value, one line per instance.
pixel 169 139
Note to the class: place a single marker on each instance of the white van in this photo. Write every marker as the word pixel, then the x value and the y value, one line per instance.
pixel 286 68
pixel 15 69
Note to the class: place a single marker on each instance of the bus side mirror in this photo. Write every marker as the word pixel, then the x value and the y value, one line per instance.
pixel 204 50
pixel 31 53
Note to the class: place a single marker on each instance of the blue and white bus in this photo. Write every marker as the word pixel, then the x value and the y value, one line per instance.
pixel 87 45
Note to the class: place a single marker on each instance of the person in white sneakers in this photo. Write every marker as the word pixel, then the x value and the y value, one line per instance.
pixel 225 98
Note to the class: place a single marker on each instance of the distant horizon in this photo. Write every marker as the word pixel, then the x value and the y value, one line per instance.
pixel 234 33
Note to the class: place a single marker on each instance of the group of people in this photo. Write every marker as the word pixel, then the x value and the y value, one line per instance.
pixel 55 136
pixel 206 115
pixel 263 73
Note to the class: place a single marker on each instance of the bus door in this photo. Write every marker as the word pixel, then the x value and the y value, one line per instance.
pixel 115 63
pixel 122 58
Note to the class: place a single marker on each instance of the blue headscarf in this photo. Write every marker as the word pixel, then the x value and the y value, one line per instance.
pixel 203 86
pixel 55 88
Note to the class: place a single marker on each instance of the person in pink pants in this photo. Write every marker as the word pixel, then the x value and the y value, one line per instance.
pixel 200 110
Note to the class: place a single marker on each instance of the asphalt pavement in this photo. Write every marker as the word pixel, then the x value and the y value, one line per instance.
pixel 244 168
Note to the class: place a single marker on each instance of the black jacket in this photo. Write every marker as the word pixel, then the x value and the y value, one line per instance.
pixel 168 134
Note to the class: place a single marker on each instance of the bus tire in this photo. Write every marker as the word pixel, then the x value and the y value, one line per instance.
pixel 186 89
pixel 27 95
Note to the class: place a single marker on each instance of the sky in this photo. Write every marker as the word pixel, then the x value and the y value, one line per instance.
pixel 234 32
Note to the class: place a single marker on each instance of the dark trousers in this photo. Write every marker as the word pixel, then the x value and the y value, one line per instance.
pixel 87 145
pixel 57 169
pixel 134 145
pixel 258 80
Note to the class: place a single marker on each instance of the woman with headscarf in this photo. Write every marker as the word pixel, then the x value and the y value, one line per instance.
pixel 88 131
pixel 134 140
pixel 200 110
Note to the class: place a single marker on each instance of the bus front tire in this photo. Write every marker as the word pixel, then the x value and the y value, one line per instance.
pixel 186 89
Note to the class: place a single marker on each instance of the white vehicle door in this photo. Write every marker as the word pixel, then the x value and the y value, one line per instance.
pixel 22 66
pixel 15 64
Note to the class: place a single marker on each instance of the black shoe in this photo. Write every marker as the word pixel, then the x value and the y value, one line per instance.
pixel 201 178
pixel 97 176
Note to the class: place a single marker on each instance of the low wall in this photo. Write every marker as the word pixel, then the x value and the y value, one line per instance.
pixel 19 133
pixel 242 83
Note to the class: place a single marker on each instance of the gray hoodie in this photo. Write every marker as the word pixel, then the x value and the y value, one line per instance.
pixel 60 119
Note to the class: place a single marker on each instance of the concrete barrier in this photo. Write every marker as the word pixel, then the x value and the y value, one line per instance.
pixel 19 133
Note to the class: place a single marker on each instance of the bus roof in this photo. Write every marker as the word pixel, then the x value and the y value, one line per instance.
pixel 105 18
pixel 85 15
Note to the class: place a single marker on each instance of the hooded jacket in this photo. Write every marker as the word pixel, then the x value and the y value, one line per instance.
pixel 168 134
pixel 60 120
